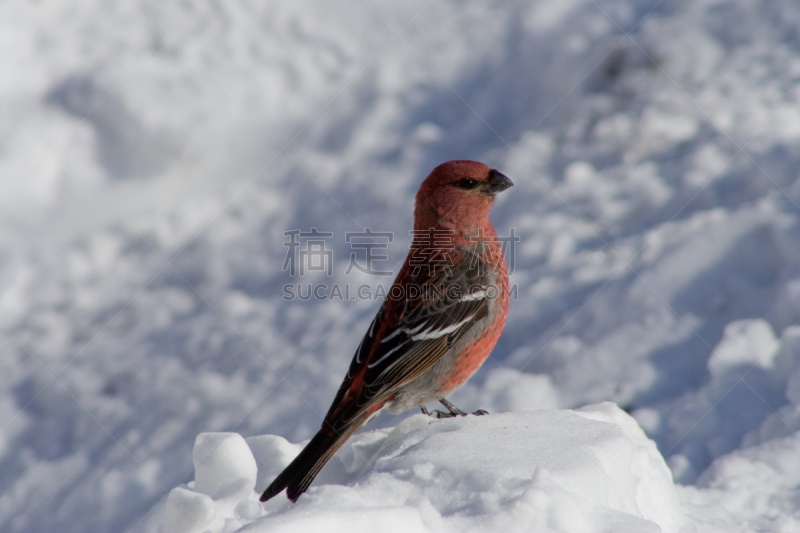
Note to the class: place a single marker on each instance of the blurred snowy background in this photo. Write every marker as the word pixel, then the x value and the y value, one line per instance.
pixel 152 154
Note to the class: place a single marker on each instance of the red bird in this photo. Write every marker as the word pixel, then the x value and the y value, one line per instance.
pixel 441 318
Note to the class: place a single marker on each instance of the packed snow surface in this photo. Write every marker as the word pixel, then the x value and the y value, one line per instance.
pixel 154 155
pixel 587 470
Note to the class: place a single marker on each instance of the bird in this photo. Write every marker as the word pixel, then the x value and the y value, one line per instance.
pixel 437 325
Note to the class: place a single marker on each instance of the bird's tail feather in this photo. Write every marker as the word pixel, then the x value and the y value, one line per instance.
pixel 296 477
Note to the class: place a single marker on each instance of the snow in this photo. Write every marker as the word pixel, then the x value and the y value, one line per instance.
pixel 743 343
pixel 591 469
pixel 153 154
pixel 222 460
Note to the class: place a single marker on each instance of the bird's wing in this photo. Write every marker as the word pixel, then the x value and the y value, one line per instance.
pixel 396 351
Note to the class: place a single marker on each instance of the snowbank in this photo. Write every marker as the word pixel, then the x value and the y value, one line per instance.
pixel 152 155
pixel 587 470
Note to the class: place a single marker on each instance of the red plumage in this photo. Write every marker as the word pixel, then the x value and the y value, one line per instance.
pixel 422 346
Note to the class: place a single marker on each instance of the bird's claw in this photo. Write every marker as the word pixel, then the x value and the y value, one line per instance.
pixel 453 411
pixel 441 414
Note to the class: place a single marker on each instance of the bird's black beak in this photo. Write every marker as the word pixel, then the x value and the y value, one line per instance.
pixel 497 182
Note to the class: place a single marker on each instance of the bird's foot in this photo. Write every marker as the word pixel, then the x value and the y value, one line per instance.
pixel 452 411
pixel 437 413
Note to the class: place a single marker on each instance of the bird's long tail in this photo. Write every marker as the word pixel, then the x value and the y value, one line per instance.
pixel 296 477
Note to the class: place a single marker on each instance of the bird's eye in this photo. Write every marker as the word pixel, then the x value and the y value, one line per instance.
pixel 467 183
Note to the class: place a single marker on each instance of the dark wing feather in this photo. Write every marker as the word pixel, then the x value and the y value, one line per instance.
pixel 398 354
pixel 362 353
pixel 434 334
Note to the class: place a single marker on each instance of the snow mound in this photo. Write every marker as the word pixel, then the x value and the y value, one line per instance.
pixel 725 491
pixel 154 154
pixel 221 459
pixel 586 470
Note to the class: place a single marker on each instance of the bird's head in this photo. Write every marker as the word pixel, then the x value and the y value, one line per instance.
pixel 458 195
